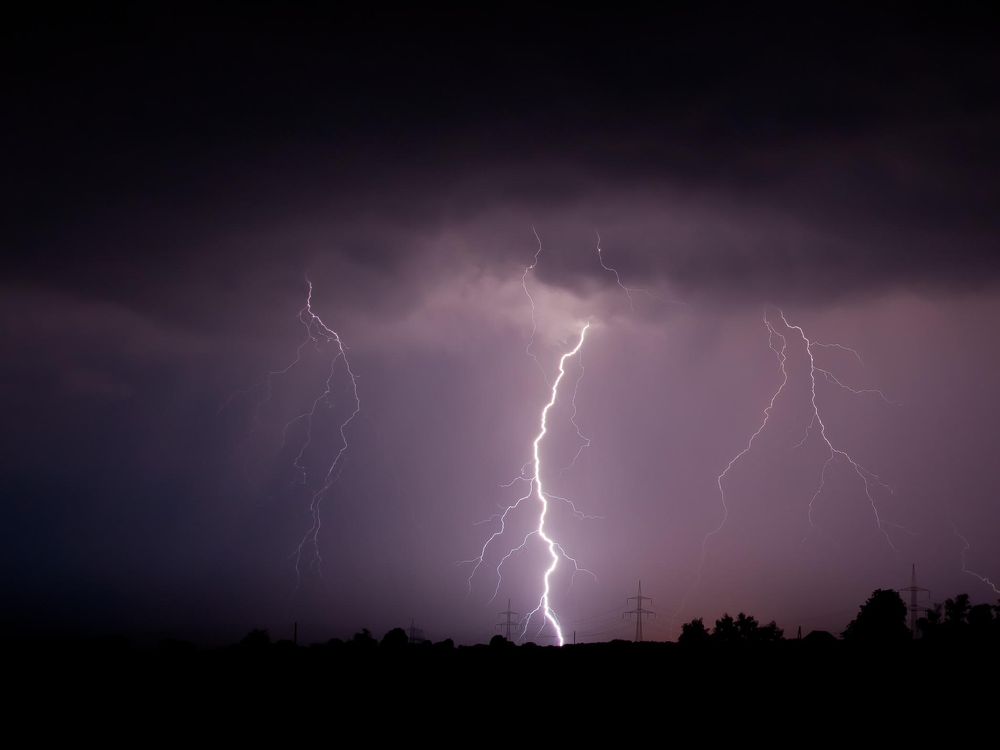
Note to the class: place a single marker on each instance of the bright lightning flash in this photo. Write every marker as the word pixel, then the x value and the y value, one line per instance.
pixel 537 490
pixel 533 477
pixel 554 547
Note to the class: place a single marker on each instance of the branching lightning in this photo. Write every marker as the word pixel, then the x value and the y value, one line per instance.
pixel 866 476
pixel 782 357
pixel 816 424
pixel 531 301
pixel 965 569
pixel 618 279
pixel 321 336
pixel 584 440
pixel 311 537
pixel 629 290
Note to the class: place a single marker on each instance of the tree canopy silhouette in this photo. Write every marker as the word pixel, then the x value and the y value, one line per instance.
pixel 256 639
pixel 395 640
pixel 745 629
pixel 693 633
pixel 880 620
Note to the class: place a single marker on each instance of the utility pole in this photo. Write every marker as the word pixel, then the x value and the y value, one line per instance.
pixel 415 633
pixel 914 591
pixel 639 612
pixel 506 624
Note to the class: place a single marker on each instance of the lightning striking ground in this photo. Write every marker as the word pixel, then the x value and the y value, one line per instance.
pixel 321 336
pixel 531 473
pixel 537 491
pixel 554 548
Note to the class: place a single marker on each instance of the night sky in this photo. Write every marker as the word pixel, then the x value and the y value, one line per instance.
pixel 171 179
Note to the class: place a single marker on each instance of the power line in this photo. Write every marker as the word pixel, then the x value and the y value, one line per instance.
pixel 416 635
pixel 506 624
pixel 914 591
pixel 639 612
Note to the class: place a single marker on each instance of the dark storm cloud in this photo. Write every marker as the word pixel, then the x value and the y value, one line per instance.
pixel 776 155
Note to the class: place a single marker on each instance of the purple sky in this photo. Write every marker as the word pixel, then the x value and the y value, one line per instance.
pixel 174 180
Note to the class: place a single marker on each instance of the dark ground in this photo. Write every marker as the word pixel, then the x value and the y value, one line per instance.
pixel 641 690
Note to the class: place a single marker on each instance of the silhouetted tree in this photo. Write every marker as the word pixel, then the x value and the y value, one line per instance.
pixel 981 621
pixel 770 633
pixel 746 628
pixel 175 647
pixel 725 630
pixel 929 626
pixel 395 640
pixel 256 639
pixel 363 640
pixel 820 639
pixel 881 619
pixel 693 633
pixel 956 611
pixel 498 641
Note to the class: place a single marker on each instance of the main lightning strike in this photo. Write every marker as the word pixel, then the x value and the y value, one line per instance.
pixel 537 490
pixel 554 548
pixel 531 473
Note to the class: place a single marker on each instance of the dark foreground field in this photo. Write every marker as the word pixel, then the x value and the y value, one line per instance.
pixel 653 690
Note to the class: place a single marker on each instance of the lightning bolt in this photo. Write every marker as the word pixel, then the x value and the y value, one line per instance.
pixel 817 420
pixel 554 548
pixel 584 440
pixel 311 537
pixel 772 335
pixel 965 551
pixel 629 290
pixel 531 473
pixel 531 301
pixel 537 491
pixel 319 335
pixel 867 477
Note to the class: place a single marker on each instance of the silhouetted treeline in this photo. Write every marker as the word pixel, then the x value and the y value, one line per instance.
pixel 882 621
pixel 737 664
